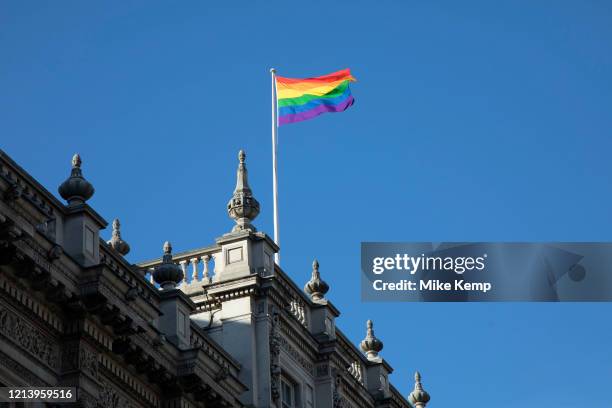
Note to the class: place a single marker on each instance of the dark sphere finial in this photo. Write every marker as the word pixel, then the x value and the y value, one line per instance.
pixel 76 190
pixel 168 274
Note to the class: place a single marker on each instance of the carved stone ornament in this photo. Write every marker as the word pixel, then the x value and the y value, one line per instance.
pixel 243 207
pixel 339 401
pixel 86 400
pixel 116 242
pixel 11 365
pixel 297 356
pixel 29 338
pixel 55 252
pixel 316 287
pixel 418 397
pixel 88 360
pixel 109 398
pixel 13 193
pixel 371 346
pixel 222 374
pixel 275 345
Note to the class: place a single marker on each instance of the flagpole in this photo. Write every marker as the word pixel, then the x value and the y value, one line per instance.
pixel 274 149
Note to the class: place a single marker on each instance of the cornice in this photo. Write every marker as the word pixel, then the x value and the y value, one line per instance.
pixel 32 190
pixel 398 398
pixel 131 277
pixel 241 235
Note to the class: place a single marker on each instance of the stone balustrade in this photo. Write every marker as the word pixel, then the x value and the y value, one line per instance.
pixel 298 309
pixel 356 371
pixel 198 266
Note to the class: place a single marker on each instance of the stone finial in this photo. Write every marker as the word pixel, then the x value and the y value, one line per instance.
pixel 76 190
pixel 116 242
pixel 76 160
pixel 316 287
pixel 243 207
pixel 371 346
pixel 168 274
pixel 418 397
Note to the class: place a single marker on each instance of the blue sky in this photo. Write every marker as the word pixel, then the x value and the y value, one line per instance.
pixel 473 121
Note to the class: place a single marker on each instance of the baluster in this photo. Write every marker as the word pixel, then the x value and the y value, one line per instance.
pixel 216 274
pixel 302 314
pixel 205 277
pixel 183 265
pixel 194 270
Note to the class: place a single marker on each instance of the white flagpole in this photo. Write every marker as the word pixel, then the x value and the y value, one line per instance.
pixel 274 148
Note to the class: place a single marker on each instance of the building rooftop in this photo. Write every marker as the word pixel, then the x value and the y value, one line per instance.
pixel 227 298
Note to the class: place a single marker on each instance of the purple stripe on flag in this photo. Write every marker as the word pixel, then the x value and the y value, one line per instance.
pixel 309 114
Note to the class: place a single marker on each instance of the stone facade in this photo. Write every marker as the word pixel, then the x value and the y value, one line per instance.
pixel 218 326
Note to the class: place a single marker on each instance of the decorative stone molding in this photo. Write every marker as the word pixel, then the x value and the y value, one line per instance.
pixel 48 228
pixel 8 363
pixel 297 356
pixel 132 386
pixel 12 194
pixel 127 276
pixel 29 338
pixel 275 345
pixel 110 398
pixel 300 339
pixel 86 400
pixel 54 253
pixel 39 257
pixel 29 194
pixel 233 294
pixel 222 374
pixel 34 308
pixel 339 401
pixel 88 361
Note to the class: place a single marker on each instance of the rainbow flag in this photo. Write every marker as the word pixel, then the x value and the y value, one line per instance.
pixel 303 99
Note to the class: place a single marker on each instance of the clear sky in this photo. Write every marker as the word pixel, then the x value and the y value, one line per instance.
pixel 473 121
